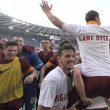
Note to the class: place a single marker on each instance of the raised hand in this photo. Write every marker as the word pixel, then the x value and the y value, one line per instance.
pixel 45 7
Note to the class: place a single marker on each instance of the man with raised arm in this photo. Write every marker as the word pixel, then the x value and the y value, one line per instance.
pixel 93 41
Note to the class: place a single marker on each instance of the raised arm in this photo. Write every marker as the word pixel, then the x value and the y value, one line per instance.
pixel 47 10
pixel 43 69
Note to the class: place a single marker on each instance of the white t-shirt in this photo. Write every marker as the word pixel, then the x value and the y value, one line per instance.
pixel 54 89
pixel 93 41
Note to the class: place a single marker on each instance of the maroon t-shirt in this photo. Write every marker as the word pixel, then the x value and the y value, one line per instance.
pixel 45 58
pixel 54 61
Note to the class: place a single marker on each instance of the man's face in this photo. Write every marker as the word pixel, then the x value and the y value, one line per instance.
pixel 10 52
pixel 19 41
pixel 67 59
pixel 45 44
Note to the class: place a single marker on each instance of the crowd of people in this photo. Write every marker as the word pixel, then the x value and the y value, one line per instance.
pixel 66 79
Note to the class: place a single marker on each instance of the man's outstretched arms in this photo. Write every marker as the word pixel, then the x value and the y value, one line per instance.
pixel 47 10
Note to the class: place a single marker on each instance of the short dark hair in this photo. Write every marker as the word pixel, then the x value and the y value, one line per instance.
pixel 90 15
pixel 45 39
pixel 65 42
pixel 18 36
pixel 65 47
pixel 10 43
pixel 3 37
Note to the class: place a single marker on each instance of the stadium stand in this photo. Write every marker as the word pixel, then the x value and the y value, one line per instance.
pixel 32 33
